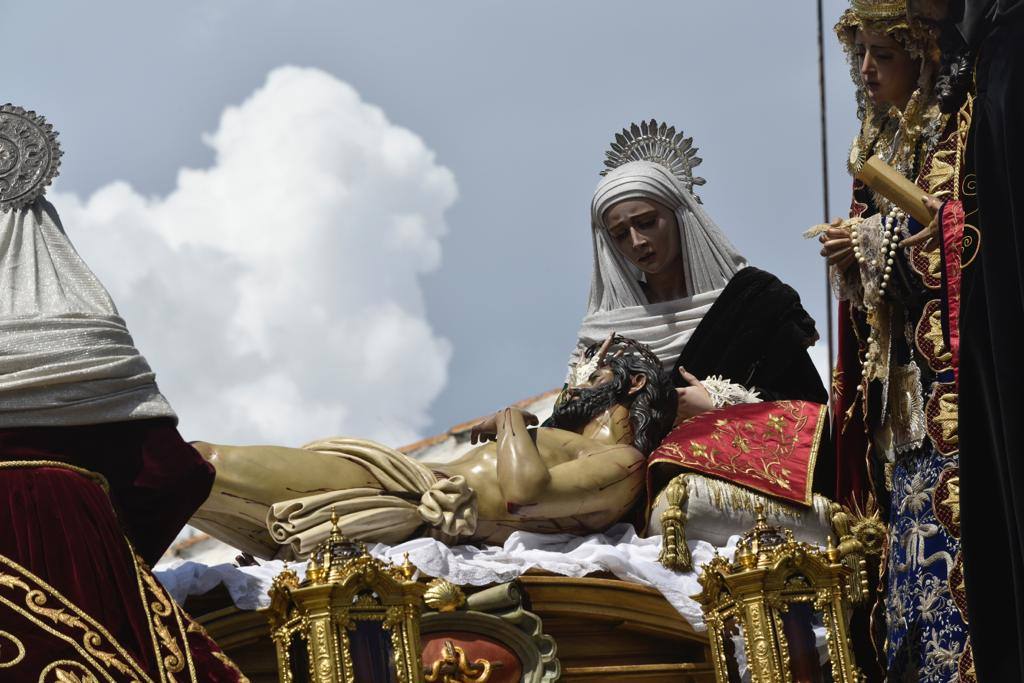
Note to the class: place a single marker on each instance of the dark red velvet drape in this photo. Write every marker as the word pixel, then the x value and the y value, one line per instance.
pixel 74 597
pixel 156 479
pixel 72 590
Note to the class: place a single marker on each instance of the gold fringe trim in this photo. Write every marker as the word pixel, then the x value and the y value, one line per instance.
pixel 723 496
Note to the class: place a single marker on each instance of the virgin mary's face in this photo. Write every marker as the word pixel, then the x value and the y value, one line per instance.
pixel 646 234
pixel 887 70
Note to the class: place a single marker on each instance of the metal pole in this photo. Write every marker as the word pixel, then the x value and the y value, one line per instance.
pixel 827 213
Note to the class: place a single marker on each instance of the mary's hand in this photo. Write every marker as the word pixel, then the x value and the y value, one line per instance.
pixel 929 236
pixel 694 399
pixel 837 246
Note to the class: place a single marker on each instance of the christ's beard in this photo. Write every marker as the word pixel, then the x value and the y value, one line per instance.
pixel 583 405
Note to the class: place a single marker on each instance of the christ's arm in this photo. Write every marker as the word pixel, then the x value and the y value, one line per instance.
pixel 522 473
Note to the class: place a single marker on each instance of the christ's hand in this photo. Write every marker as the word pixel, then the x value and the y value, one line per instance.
pixel 487 430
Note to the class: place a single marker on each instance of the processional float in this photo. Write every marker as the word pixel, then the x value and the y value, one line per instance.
pixel 355 617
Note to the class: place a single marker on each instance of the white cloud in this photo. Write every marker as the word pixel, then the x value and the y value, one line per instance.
pixel 276 293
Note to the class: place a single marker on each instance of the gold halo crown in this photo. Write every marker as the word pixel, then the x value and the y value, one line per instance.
pixel 879 10
pixel 892 17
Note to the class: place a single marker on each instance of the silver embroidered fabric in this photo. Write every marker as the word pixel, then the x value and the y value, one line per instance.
pixel 66 357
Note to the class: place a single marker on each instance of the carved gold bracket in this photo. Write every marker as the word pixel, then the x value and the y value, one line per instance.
pixel 454 667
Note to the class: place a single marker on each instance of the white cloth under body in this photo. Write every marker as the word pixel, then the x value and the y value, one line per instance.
pixel 66 357
pixel 619 551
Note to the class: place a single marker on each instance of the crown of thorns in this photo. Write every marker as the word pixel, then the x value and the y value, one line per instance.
pixel 615 346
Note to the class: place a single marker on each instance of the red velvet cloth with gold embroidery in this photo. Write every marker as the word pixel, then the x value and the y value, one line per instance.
pixel 769 447
pixel 76 602
pixel 82 512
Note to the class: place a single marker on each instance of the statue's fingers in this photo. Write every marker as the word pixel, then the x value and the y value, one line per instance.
pixel 933 203
pixel 921 237
pixel 836 258
pixel 690 379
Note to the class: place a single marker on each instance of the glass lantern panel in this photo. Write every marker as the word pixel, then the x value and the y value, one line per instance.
pixel 807 642
pixel 298 658
pixel 732 646
pixel 373 656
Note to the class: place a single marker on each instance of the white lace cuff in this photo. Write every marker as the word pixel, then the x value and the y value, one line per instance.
pixel 726 393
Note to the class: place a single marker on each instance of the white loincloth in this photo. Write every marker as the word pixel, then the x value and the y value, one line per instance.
pixel 446 506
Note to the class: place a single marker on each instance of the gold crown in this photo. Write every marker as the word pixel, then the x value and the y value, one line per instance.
pixel 878 10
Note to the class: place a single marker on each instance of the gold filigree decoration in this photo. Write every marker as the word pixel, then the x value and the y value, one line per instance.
pixel 19 648
pixel 927 264
pixel 63 672
pixel 344 585
pixel 943 418
pixel 62 619
pixel 946 500
pixel 163 615
pixel 929 337
pixel 454 667
pixel 837 383
pixel 161 608
pixel 770 573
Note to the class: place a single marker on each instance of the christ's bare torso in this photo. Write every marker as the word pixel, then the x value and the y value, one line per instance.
pixel 593 485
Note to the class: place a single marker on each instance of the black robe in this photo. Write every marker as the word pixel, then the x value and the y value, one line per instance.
pixel 991 417
pixel 757 334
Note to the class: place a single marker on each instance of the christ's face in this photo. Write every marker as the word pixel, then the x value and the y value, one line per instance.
pixel 583 402
pixel 646 234
pixel 598 378
pixel 887 70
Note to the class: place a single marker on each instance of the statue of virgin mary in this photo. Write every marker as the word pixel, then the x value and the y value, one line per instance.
pixel 666 275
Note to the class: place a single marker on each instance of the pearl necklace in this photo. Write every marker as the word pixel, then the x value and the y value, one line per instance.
pixel 892 224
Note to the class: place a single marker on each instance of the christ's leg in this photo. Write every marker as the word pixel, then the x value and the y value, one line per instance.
pixel 252 478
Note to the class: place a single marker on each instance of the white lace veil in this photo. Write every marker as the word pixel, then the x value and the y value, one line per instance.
pixel 711 259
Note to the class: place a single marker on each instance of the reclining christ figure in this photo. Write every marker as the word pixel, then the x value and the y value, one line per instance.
pixel 579 473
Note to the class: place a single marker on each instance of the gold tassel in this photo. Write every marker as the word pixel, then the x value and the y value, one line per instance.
pixel 675 554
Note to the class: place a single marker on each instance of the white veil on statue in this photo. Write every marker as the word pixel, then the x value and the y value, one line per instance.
pixel 66 357
pixel 617 302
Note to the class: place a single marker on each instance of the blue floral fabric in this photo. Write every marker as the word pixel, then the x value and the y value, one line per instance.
pixel 926 632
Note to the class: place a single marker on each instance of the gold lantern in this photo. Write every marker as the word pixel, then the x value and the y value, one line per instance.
pixel 773 604
pixel 354 618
